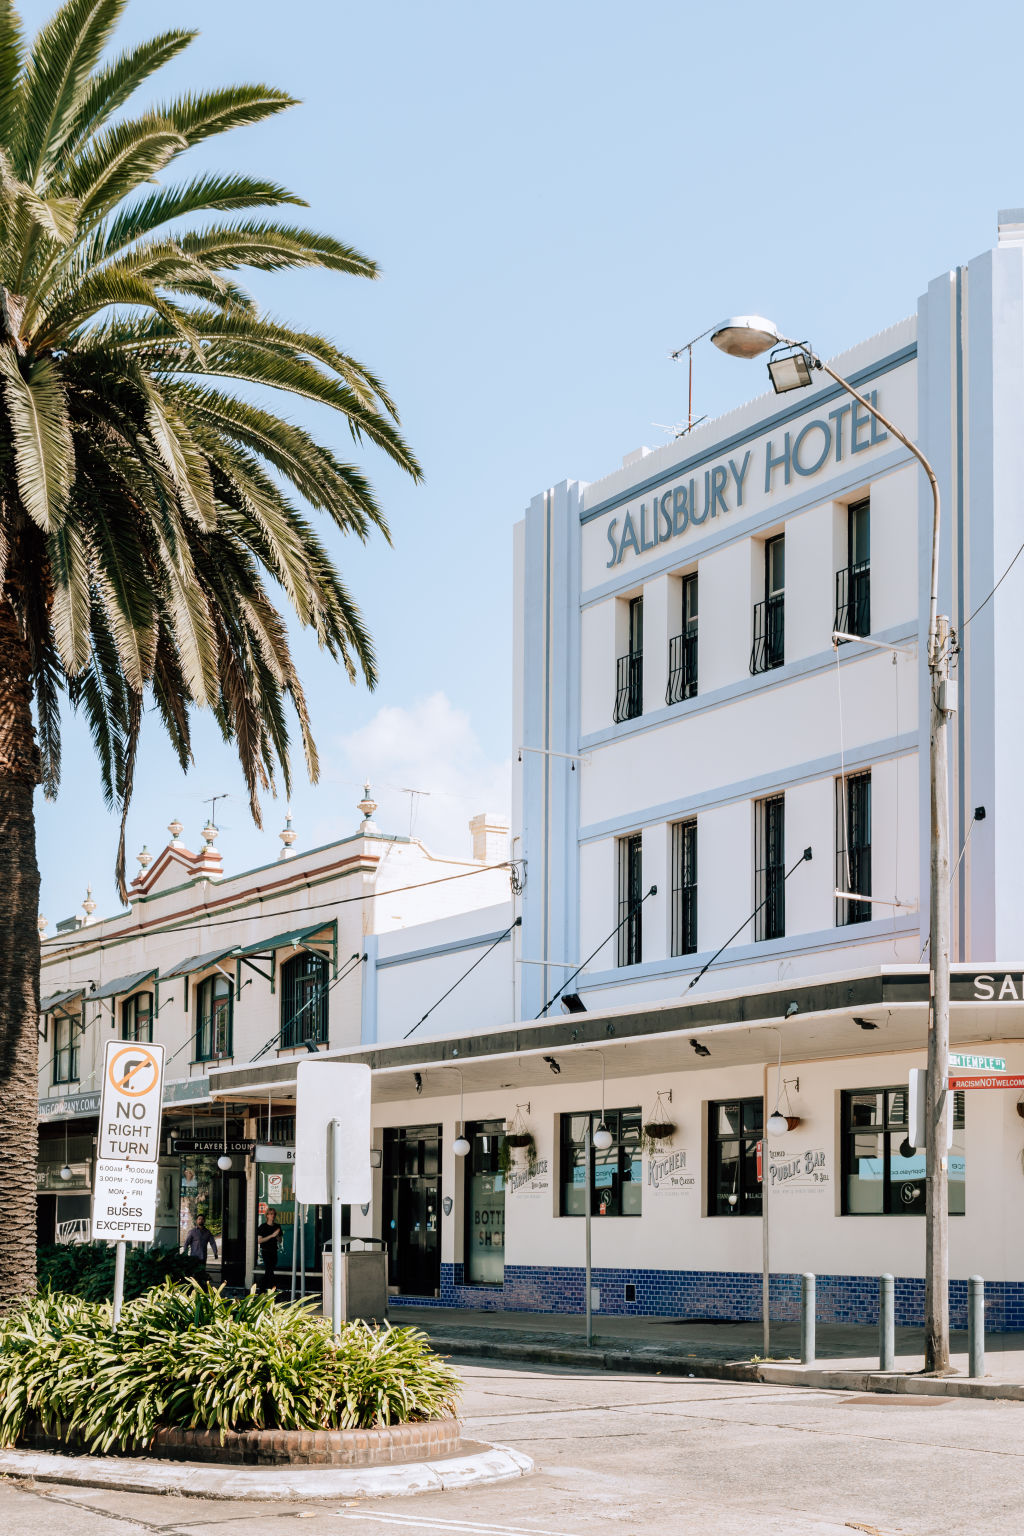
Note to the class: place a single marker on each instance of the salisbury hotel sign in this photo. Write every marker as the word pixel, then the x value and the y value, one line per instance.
pixel 782 460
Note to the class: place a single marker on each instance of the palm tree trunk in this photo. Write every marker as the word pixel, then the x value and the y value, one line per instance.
pixel 19 969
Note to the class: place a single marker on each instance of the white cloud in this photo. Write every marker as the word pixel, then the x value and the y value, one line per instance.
pixel 432 747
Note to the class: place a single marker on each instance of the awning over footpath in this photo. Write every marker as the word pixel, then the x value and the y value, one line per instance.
pixel 121 986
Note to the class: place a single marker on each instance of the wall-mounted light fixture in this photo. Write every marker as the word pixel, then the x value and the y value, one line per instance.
pixel 573 1003
pixel 553 1064
pixel 701 1050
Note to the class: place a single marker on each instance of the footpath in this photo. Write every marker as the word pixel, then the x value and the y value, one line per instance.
pixel 846 1355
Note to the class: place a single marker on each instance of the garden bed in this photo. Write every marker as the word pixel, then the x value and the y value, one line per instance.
pixel 384 1446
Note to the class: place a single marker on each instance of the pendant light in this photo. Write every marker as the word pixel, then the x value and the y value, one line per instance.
pixel 224 1161
pixel 603 1137
pixel 65 1172
pixel 460 1146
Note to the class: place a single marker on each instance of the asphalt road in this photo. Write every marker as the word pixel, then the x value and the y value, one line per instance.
pixel 634 1456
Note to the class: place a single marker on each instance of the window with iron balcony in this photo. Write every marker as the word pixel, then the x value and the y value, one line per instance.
pixel 629 669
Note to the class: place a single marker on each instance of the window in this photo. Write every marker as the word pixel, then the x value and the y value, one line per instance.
pixel 630 896
pixel 853 846
pixel 684 887
pixel 304 984
pixel 137 1018
pixel 629 669
pixel 734 1128
pixel 65 1051
pixel 882 1174
pixel 769 646
pixel 615 1177
pixel 213 1018
pixel 769 867
pixel 853 584
pixel 485 1205
pixel 682 649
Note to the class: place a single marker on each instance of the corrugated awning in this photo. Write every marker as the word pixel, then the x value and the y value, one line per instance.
pixel 286 940
pixel 60 999
pixel 123 984
pixel 200 962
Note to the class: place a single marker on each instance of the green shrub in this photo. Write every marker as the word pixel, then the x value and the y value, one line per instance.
pixel 87 1269
pixel 191 1358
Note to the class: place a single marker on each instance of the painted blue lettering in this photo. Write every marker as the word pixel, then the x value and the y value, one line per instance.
pixel 826 432
pixel 693 502
pixel 877 435
pixel 645 543
pixel 719 481
pixel 680 515
pixel 772 462
pixel 611 540
pixel 628 536
pixel 859 420
pixel 663 530
pixel 839 416
pixel 740 475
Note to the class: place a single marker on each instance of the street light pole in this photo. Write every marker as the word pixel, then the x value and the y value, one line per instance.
pixel 747 337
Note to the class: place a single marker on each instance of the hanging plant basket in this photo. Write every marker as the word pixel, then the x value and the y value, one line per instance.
pixel 657 1128
pixel 660 1130
pixel 518 1144
pixel 517 1139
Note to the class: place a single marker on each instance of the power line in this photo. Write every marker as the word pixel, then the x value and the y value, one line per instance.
pixel 462 978
pixel 995 589
pixel 804 856
pixel 634 908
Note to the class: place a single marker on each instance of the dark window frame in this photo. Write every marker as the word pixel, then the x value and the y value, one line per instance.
pixel 620 1156
pixel 481 1160
pixel 630 856
pixel 853 583
pixel 682 648
pixel 629 669
pixel 768 648
pixel 209 992
pixel 892 1130
pixel 683 937
pixel 137 1022
pixel 853 846
pixel 749 1114
pixel 305 984
pixel 65 1051
pixel 770 868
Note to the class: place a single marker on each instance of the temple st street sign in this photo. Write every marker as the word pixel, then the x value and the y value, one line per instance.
pixel 959 1061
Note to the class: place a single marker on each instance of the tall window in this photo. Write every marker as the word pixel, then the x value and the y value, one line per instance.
pixel 734 1135
pixel 65 1050
pixel 304 983
pixel 769 645
pixel 629 669
pixel 882 1174
pixel 684 887
pixel 137 1018
pixel 630 896
pixel 853 846
pixel 682 649
pixel 213 1018
pixel 853 585
pixel 615 1177
pixel 769 867
pixel 485 1205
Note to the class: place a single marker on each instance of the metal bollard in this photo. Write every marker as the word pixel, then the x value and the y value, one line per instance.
pixel 886 1323
pixel 807 1319
pixel 976 1325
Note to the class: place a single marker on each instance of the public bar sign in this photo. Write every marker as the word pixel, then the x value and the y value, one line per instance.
pixel 1004 1080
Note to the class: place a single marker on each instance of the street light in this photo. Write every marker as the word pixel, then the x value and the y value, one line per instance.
pixel 791 366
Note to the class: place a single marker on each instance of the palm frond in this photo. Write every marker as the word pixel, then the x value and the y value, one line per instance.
pixel 271 247
pixel 211 193
pixel 43 452
pixel 112 85
pixel 12 54
pixel 235 106
pixel 56 73
pixel 71 596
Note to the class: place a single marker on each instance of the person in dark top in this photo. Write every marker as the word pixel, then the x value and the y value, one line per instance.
pixel 268 1235
pixel 200 1240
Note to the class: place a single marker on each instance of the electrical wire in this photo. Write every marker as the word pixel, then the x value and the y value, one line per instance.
pixel 994 590
pixel 633 909
pixel 462 978
pixel 801 860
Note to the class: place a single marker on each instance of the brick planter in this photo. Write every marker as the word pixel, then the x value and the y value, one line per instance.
pixel 382 1447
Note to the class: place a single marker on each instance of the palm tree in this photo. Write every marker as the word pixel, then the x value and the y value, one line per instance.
pixel 147 492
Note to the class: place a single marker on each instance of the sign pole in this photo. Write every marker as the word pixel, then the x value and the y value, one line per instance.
pixel 337 1172
pixel 588 1200
pixel 119 1258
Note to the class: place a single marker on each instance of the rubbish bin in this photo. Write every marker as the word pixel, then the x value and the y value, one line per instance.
pixel 364 1279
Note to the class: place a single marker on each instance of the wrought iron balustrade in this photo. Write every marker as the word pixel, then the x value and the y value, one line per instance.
pixel 853 599
pixel 629 686
pixel 769 646
pixel 682 668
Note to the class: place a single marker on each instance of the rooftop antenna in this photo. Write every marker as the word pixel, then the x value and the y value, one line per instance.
pixel 414 795
pixel 688 349
pixel 212 803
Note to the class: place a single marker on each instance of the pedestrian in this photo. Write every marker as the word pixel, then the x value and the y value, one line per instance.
pixel 199 1240
pixel 268 1235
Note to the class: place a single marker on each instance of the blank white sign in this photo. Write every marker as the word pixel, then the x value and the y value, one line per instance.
pixel 326 1091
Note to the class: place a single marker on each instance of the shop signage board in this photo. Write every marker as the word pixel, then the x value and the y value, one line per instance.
pixel 1007 1080
pixel 128 1144
pixel 960 1061
pixel 214 1146
pixel 327 1092
pixel 124 1202
pixel 268 1153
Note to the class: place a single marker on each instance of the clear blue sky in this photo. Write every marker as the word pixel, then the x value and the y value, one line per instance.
pixel 558 193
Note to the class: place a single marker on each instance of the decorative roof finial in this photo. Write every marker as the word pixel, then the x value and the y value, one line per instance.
pixel 367 805
pixel 287 836
pixel 175 828
pixel 88 905
pixel 145 858
pixel 41 925
pixel 210 833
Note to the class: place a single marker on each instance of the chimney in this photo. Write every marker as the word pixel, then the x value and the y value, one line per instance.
pixel 490 838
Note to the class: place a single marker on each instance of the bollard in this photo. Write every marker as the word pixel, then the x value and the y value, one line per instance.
pixel 807 1319
pixel 886 1323
pixel 976 1325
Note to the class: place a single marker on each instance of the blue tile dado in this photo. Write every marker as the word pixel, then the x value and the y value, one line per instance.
pixel 732 1295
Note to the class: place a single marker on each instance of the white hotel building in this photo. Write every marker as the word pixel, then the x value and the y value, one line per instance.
pixel 701 770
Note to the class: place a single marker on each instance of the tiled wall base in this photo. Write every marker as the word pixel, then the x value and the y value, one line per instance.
pixel 715 1294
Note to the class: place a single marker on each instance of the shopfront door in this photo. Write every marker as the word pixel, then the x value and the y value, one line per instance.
pixel 232 1253
pixel 412 1209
